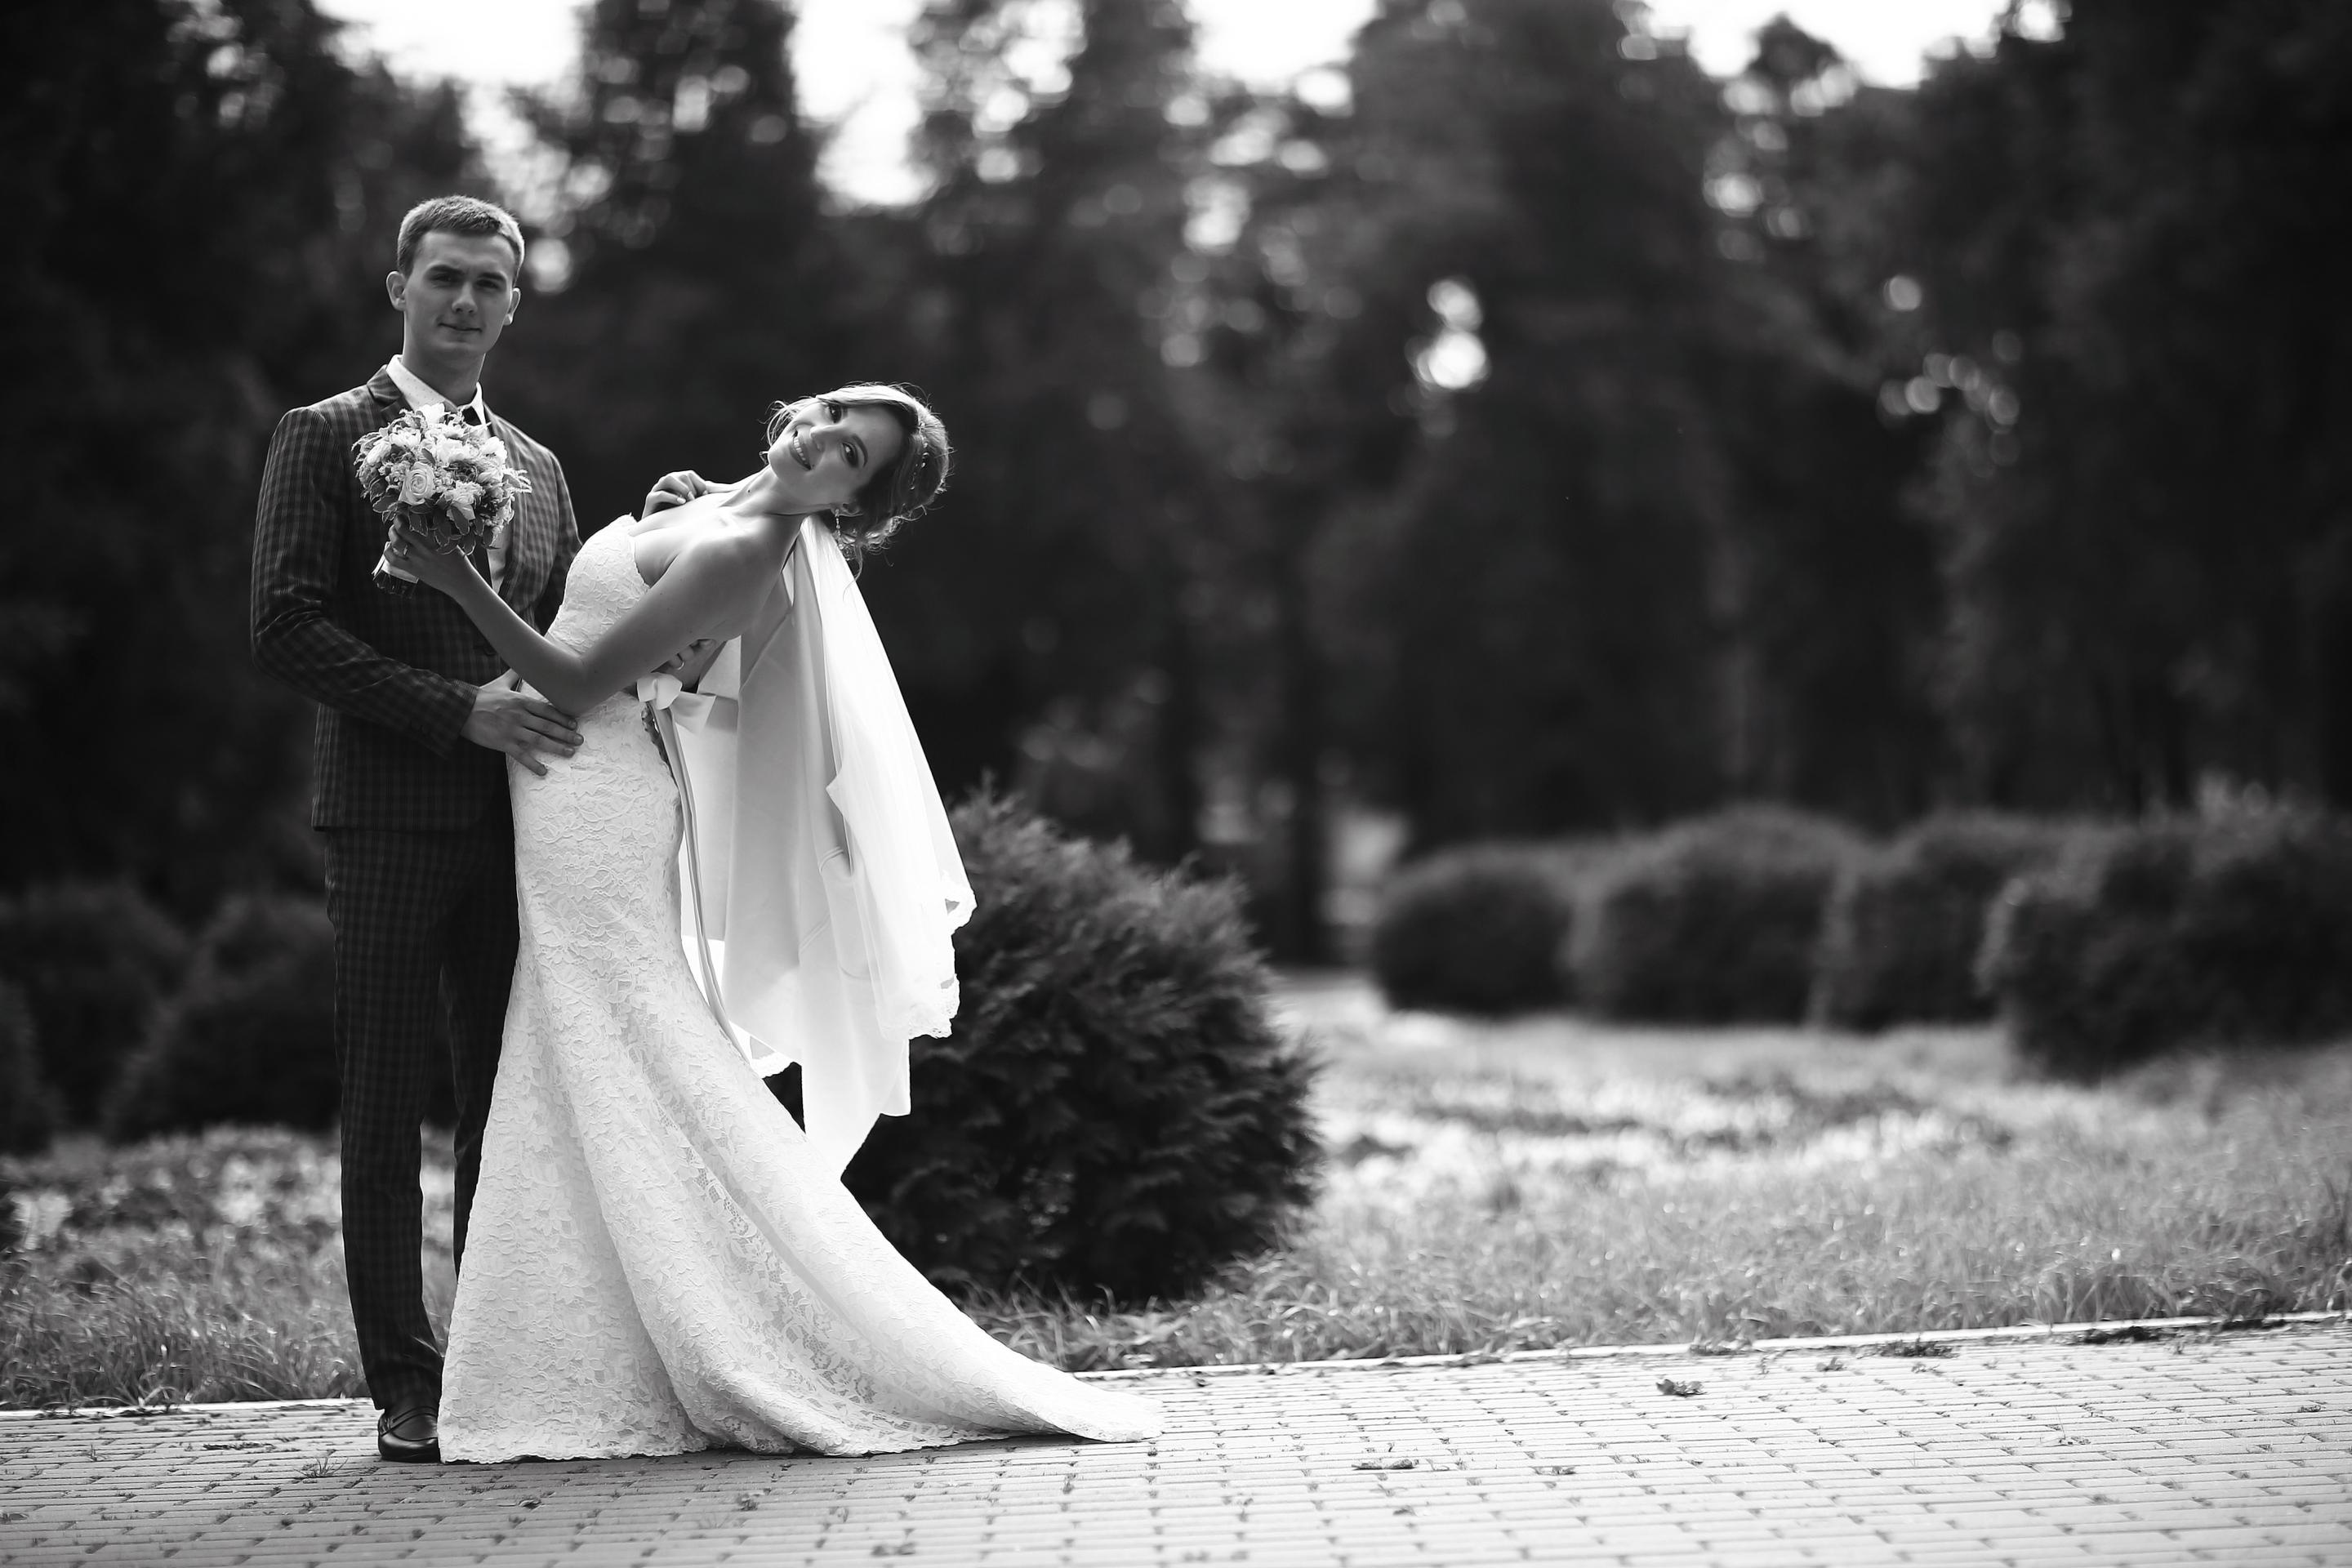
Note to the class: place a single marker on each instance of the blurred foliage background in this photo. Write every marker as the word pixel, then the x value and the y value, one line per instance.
pixel 1526 435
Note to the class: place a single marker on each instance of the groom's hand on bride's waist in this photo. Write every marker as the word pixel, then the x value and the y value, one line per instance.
pixel 523 726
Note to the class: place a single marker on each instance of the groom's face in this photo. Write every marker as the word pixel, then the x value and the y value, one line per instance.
pixel 458 297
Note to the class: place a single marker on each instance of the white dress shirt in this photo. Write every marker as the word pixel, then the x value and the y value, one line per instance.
pixel 422 396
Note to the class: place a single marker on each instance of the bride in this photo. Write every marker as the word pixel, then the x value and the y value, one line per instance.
pixel 660 1258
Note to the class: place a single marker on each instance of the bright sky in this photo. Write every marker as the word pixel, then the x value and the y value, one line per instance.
pixel 856 75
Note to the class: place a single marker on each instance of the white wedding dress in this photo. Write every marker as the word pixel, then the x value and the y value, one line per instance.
pixel 655 1262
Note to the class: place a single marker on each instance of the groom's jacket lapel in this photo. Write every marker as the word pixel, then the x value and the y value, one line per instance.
pixel 393 674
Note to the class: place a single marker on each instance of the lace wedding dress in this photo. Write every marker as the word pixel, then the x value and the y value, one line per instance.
pixel 655 1263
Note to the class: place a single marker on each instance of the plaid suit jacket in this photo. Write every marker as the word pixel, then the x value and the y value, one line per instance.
pixel 394 674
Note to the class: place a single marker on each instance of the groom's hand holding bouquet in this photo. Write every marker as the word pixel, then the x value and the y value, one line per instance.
pixel 448 482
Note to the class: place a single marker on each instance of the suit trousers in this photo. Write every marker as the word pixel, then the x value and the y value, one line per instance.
pixel 424 921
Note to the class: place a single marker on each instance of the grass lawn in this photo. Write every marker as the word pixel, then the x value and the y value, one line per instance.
pixel 1492 1187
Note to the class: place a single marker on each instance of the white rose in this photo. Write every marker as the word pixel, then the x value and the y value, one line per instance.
pixel 417 485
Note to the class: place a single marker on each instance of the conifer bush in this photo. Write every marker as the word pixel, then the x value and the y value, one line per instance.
pixel 29 1106
pixel 2178 932
pixel 1115 1113
pixel 249 1036
pixel 92 959
pixel 1905 923
pixel 1714 921
pixel 1478 929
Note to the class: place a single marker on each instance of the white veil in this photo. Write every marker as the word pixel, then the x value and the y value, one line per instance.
pixel 820 884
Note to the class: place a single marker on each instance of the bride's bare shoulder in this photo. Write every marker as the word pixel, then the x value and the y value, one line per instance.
pixel 717 553
pixel 726 575
pixel 658 543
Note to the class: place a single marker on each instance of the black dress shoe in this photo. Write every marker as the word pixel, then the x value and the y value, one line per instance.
pixel 409 1432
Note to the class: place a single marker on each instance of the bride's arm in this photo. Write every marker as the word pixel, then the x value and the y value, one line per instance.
pixel 712 590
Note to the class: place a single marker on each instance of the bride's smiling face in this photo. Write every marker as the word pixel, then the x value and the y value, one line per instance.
pixel 828 451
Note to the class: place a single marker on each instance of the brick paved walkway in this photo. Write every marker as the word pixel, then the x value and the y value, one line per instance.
pixel 2201 1448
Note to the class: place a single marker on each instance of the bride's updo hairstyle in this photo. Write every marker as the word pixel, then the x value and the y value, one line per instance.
pixel 906 487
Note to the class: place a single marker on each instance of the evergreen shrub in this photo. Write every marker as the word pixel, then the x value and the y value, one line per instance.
pixel 29 1106
pixel 2178 932
pixel 1714 921
pixel 1476 928
pixel 92 960
pixel 1115 1113
pixel 1905 924
pixel 249 1036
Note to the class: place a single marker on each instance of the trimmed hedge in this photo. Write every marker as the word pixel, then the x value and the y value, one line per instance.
pixel 1905 925
pixel 1115 1113
pixel 250 1036
pixel 29 1106
pixel 2176 933
pixel 1713 921
pixel 92 960
pixel 1474 930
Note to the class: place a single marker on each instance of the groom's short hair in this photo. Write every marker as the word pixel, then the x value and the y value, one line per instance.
pixel 454 214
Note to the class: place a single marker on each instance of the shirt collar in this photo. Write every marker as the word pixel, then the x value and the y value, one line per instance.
pixel 421 395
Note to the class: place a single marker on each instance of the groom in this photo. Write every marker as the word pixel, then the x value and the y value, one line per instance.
pixel 415 730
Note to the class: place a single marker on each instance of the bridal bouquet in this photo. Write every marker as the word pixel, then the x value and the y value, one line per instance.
pixel 446 479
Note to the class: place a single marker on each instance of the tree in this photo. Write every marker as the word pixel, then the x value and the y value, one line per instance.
pixel 694 282
pixel 1056 581
pixel 1836 598
pixel 1536 284
pixel 203 198
pixel 2129 235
